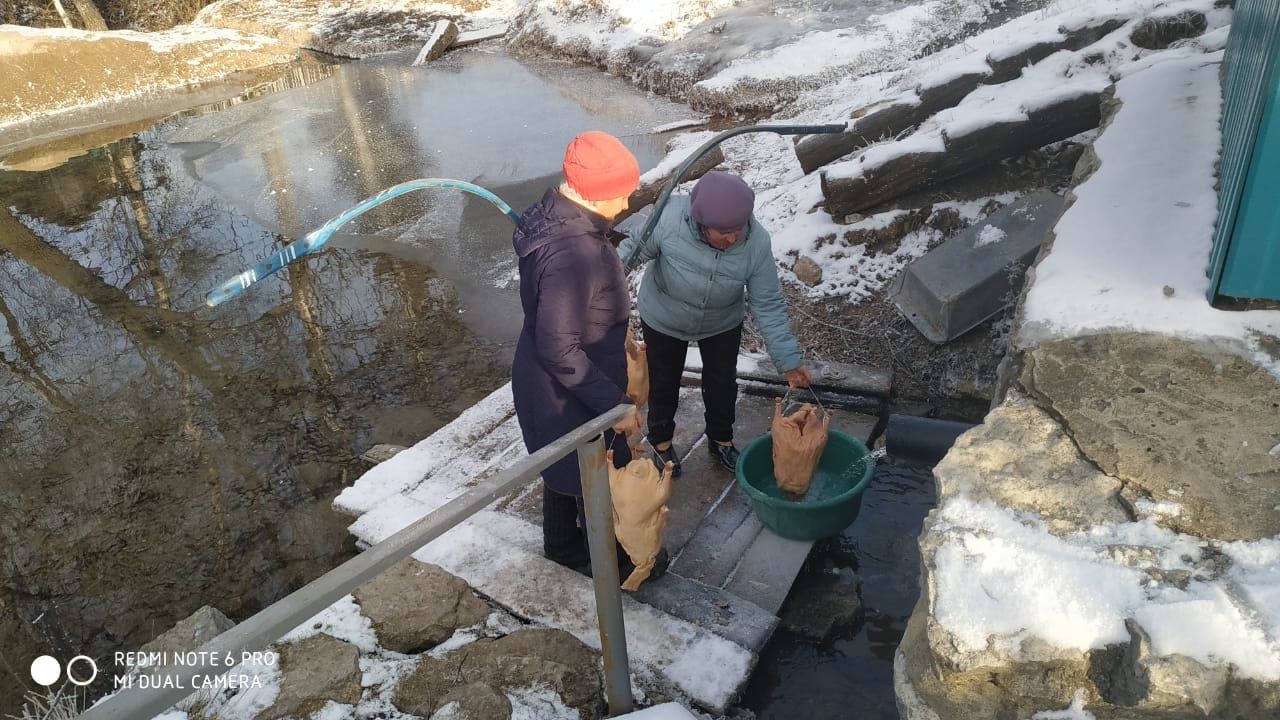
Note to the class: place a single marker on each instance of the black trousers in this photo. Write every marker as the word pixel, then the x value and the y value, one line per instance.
pixel 564 517
pixel 564 528
pixel 719 382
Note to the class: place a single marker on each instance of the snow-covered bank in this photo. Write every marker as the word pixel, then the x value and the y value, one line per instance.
pixel 53 71
pixel 1107 539
pixel 55 79
pixel 1144 270
pixel 727 57
pixel 351 29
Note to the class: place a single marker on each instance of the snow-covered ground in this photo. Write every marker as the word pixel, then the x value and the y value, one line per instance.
pixel 1144 269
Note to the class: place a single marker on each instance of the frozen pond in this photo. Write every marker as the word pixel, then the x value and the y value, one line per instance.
pixel 293 160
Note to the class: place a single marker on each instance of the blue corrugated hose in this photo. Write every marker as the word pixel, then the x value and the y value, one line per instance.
pixel 316 239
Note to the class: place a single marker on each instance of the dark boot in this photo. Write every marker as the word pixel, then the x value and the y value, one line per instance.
pixel 726 455
pixel 563 540
pixel 626 567
pixel 662 457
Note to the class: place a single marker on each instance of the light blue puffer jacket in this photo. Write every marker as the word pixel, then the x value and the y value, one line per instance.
pixel 693 291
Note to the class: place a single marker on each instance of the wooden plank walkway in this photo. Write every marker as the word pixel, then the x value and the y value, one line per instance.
pixel 700 627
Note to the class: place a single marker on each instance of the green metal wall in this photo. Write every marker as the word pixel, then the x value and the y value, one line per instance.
pixel 1246 250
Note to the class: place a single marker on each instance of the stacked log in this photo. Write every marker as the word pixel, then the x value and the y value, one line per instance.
pixel 891 118
pixel 855 185
pixel 648 193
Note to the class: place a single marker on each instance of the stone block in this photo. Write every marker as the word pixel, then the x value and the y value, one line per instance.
pixel 315 671
pixel 1178 421
pixel 415 606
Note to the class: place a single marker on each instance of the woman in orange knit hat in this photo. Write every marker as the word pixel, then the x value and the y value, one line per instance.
pixel 570 363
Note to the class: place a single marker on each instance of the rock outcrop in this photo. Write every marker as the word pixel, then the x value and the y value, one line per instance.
pixel 1020 503
pixel 191 632
pixel 474 673
pixel 1174 420
pixel 1108 538
pixel 315 671
pixel 415 606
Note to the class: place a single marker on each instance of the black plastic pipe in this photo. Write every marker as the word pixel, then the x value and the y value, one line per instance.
pixel 706 148
pixel 921 439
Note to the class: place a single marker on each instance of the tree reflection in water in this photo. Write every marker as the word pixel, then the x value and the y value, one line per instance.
pixel 156 455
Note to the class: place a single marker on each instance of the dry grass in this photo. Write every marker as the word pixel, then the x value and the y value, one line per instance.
pixel 49 705
pixel 149 15
pixel 119 14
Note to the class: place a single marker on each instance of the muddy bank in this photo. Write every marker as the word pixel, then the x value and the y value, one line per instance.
pixel 347 29
pixel 52 71
pixel 118 14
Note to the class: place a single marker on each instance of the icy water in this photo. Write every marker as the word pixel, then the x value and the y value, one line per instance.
pixel 850 674
pixel 291 160
pixel 157 455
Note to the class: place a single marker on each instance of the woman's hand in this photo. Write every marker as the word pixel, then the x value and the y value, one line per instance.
pixel 798 378
pixel 631 424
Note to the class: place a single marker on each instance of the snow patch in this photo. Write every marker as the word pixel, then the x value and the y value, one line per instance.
pixel 409 467
pixel 679 125
pixel 1075 711
pixel 679 148
pixel 882 42
pixel 989 234
pixel 1001 578
pixel 539 702
pixel 334 711
pixel 342 620
pixel 1161 508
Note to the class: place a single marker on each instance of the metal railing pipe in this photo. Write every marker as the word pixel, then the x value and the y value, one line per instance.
pixel 594 471
pixel 273 622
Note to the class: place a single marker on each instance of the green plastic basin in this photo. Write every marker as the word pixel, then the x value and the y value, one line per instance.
pixel 834 496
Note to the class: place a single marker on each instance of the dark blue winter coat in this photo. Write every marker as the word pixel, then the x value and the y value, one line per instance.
pixel 570 365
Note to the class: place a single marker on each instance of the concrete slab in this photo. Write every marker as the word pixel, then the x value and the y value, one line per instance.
pixel 471 37
pixel 732 550
pixel 768 569
pixel 832 376
pixel 722 538
pixel 665 711
pixel 443 36
pixel 967 279
pixel 840 385
pixel 728 616
pixel 703 482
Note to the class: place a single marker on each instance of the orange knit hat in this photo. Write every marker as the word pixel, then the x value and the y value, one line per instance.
pixel 599 167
